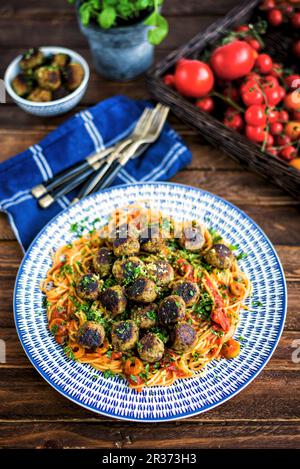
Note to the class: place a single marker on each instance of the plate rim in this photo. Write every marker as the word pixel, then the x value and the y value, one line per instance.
pixel 183 414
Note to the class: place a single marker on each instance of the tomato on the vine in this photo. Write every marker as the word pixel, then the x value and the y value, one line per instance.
pixel 275 17
pixel 234 121
pixel 252 95
pixel 206 104
pixel 193 78
pixel 255 134
pixel 295 20
pixel 273 96
pixel 272 115
pixel 276 128
pixel 233 60
pixel 283 116
pixel 256 115
pixel 292 129
pixel 169 80
pixel 264 63
pixel 288 153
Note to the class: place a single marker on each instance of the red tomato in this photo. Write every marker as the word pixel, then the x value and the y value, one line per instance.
pixel 296 48
pixel 234 121
pixel 272 151
pixel 272 115
pixel 256 115
pixel 264 63
pixel 253 95
pixel 270 140
pixel 276 128
pixel 295 20
pixel 232 61
pixel 193 78
pixel 206 104
pixel 255 134
pixel 293 81
pixel 288 153
pixel 275 17
pixel 169 80
pixel 273 96
pixel 283 116
pixel 242 28
pixel 283 140
pixel 271 81
pixel 268 5
pixel 292 100
pixel 277 70
pixel 254 43
pixel 282 92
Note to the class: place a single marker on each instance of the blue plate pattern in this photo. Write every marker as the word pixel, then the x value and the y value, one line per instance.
pixel 261 327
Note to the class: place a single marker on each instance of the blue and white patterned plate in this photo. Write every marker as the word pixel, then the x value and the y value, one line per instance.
pixel 261 327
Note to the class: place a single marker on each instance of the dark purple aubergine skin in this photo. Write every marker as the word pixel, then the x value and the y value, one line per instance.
pixel 91 335
pixel 219 256
pixel 183 337
pixel 171 310
pixel 88 287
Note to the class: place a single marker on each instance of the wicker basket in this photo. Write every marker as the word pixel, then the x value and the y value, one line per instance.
pixel 236 145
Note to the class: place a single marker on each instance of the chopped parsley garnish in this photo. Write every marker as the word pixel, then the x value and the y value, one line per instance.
pixel 234 247
pixel 45 302
pixel 204 306
pixel 69 352
pixel 152 315
pixel 54 329
pixel 241 256
pixel 257 304
pixel 66 269
pixel 108 374
pixel 215 235
pixel 133 378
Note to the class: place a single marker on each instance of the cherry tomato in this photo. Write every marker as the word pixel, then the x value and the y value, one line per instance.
pixel 270 140
pixel 272 115
pixel 295 163
pixel 273 96
pixel 230 349
pixel 254 43
pixel 275 17
pixel 283 116
pixel 242 28
pixel 277 70
pixel 288 10
pixel 255 134
pixel 282 92
pixel 206 104
pixel 193 78
pixel 169 80
pixel 268 5
pixel 295 20
pixel 293 81
pixel 270 81
pixel 264 63
pixel 292 129
pixel 276 128
pixel 252 95
pixel 283 140
pixel 272 151
pixel 256 115
pixel 234 122
pixel 233 60
pixel 296 48
pixel 288 153
pixel 292 100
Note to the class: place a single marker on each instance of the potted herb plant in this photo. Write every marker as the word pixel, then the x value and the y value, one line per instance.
pixel 121 34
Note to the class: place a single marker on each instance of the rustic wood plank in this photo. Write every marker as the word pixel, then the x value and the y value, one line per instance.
pixel 33 9
pixel 165 435
pixel 66 32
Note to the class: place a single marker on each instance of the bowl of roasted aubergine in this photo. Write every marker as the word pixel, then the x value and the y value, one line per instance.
pixel 47 81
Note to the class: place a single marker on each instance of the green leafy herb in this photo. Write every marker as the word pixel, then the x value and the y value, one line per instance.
pixel 108 374
pixel 257 304
pixel 204 306
pixel 54 329
pixel 69 352
pixel 241 256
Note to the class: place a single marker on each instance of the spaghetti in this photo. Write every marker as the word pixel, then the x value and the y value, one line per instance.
pixel 212 271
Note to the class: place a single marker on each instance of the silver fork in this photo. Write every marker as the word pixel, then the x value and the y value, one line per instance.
pixel 153 133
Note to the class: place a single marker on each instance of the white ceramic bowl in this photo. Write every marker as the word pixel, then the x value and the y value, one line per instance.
pixel 51 108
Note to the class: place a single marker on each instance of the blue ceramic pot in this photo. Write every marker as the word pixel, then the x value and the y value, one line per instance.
pixel 119 53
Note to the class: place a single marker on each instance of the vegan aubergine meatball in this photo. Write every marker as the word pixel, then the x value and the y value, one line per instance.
pixel 31 59
pixel 127 246
pixel 151 348
pixel 38 95
pixel 114 300
pixel 74 74
pixel 192 237
pixel 188 291
pixel 48 77
pixel 145 315
pixel 20 85
pixel 124 335
pixel 88 287
pixel 91 335
pixel 171 310
pixel 127 270
pixel 61 60
pixel 142 290
pixel 161 272
pixel 103 261
pixel 183 337
pixel 219 256
pixel 151 240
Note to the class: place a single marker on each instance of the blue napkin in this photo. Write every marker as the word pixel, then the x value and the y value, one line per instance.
pixel 82 134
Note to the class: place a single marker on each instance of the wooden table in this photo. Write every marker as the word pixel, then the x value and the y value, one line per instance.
pixel 32 414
